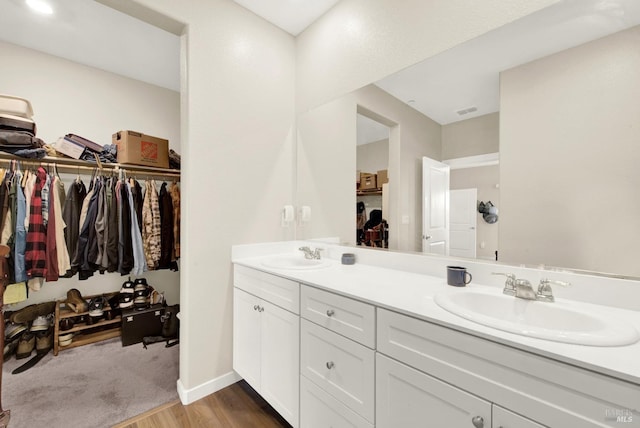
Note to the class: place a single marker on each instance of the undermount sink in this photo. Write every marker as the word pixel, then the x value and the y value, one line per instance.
pixel 559 321
pixel 294 261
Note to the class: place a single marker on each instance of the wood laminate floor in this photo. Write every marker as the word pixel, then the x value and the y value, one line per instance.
pixel 237 406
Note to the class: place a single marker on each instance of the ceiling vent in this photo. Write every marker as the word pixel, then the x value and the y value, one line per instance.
pixel 467 110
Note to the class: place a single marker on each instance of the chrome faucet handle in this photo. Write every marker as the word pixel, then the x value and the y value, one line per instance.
pixel 509 283
pixel 545 292
pixel 316 253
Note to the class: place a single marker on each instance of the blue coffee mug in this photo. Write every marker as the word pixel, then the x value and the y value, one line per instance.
pixel 458 276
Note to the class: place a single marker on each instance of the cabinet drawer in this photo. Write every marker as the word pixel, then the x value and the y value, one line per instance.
pixel 320 410
pixel 342 367
pixel 408 398
pixel 348 317
pixel 279 291
pixel 503 418
pixel 550 392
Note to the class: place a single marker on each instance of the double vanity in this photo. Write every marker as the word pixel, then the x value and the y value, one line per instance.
pixel 387 343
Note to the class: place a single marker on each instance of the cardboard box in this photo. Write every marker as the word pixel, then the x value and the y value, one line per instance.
pixel 70 148
pixel 382 177
pixel 136 148
pixel 367 181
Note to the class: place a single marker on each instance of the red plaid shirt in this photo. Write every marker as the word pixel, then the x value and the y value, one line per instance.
pixel 35 257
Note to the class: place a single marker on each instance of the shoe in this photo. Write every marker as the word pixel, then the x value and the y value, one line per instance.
pixel 127 287
pixel 31 312
pixel 43 341
pixel 66 324
pixel 126 301
pixel 65 339
pixel 96 307
pixel 25 345
pixel 140 284
pixel 42 322
pixel 12 331
pixel 75 302
pixel 10 349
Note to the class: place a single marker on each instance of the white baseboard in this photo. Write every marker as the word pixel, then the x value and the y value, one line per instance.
pixel 188 396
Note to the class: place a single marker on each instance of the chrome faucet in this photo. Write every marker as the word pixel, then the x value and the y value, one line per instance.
pixel 522 288
pixel 545 293
pixel 311 254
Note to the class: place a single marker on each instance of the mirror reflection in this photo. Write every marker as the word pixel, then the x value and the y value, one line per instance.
pixel 540 117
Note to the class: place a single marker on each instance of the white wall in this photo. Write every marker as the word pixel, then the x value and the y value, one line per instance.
pixel 372 157
pixel 471 137
pixel 68 97
pixel 358 42
pixel 569 158
pixel 238 125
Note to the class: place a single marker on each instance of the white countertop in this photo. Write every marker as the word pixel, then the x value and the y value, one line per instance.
pixel 412 294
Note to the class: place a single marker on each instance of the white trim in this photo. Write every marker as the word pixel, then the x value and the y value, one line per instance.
pixel 188 396
pixel 474 161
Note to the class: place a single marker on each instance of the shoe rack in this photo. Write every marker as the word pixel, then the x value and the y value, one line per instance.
pixel 108 327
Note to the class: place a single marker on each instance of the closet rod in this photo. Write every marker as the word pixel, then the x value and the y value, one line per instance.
pixel 73 166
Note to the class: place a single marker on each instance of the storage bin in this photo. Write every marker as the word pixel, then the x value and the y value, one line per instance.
pixel 16 106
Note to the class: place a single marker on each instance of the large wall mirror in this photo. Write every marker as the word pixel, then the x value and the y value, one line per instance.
pixel 541 117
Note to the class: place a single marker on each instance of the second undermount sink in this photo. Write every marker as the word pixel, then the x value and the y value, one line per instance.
pixel 567 322
pixel 294 261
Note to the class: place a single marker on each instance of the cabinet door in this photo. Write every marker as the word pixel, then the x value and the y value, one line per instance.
pixel 280 367
pixel 407 398
pixel 246 337
pixel 503 418
pixel 319 409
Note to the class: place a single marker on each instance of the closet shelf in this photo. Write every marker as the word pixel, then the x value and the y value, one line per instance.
pixel 74 166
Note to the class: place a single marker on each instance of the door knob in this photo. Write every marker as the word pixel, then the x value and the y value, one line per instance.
pixel 426 236
pixel 330 312
pixel 330 365
pixel 477 421
pixel 255 307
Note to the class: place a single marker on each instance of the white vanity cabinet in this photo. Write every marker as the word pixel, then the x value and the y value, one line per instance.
pixel 551 393
pixel 266 338
pixel 337 360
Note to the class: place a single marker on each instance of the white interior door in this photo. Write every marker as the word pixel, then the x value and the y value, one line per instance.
pixel 463 222
pixel 435 207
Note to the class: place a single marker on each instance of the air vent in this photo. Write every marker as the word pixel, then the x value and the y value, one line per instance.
pixel 467 110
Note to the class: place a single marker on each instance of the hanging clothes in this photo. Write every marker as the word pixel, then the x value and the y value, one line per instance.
pixel 166 228
pixel 151 225
pixel 20 236
pixel 35 254
pixel 174 191
pixel 51 264
pixel 81 261
pixel 125 263
pixel 64 263
pixel 139 262
pixel 136 195
pixel 113 227
pixel 71 216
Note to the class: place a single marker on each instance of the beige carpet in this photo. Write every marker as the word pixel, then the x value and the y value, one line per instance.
pixel 91 386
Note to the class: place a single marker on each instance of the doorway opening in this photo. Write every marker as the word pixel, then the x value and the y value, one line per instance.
pixel 372 182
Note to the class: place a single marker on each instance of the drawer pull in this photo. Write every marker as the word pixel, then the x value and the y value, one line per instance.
pixel 255 307
pixel 260 309
pixel 330 312
pixel 477 421
pixel 330 365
